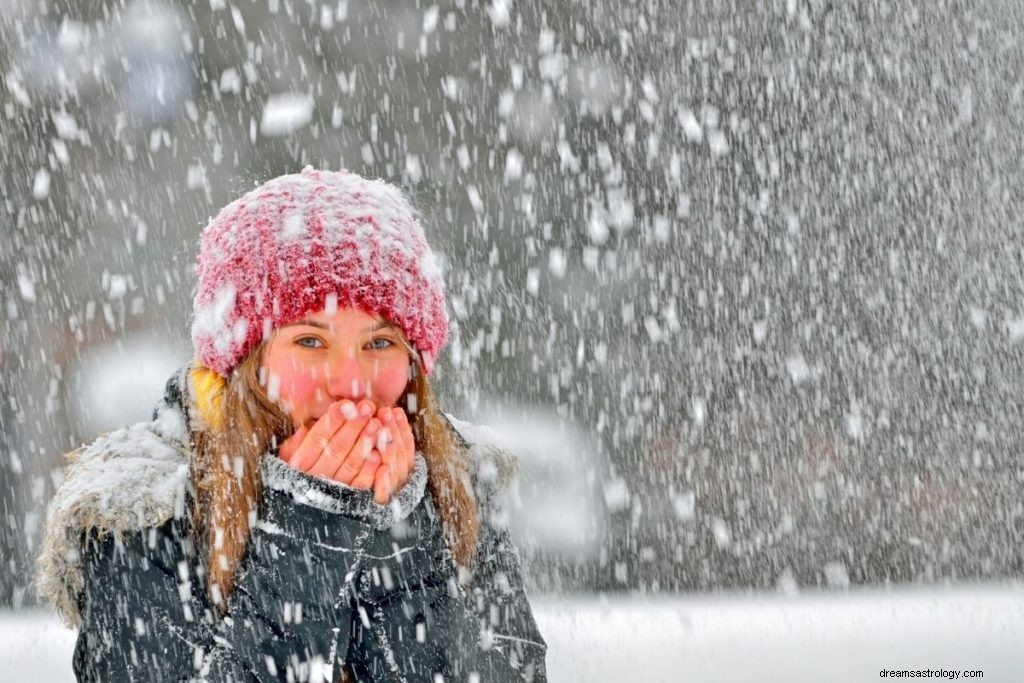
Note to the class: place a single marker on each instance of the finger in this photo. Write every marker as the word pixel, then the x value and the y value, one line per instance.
pixel 364 479
pixel 386 439
pixel 388 458
pixel 405 426
pixel 408 438
pixel 336 451
pixel 382 485
pixel 387 418
pixel 408 442
pixel 394 421
pixel 349 410
pixel 318 437
pixel 292 443
pixel 351 448
pixel 398 463
pixel 367 407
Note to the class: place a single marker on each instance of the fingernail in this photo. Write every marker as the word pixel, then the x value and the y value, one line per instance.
pixel 373 425
pixel 366 409
pixel 348 410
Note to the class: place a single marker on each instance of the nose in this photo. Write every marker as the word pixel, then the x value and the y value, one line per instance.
pixel 347 378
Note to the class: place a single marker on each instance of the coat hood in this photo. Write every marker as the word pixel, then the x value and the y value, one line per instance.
pixel 138 477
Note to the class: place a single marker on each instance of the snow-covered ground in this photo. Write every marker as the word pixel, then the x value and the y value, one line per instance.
pixel 838 637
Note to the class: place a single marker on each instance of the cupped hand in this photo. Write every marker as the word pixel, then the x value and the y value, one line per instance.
pixel 358 445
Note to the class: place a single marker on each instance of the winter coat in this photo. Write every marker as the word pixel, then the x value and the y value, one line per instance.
pixel 328 576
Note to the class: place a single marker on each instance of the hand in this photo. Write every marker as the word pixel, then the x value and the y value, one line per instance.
pixel 339 445
pixel 351 445
pixel 398 456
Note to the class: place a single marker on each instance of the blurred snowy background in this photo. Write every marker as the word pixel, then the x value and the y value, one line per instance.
pixel 750 274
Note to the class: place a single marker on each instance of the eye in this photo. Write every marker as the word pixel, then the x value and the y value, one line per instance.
pixel 301 341
pixel 380 343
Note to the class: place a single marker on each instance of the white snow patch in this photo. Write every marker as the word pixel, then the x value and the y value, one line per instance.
pixel 698 410
pixel 1015 329
pixel 717 143
pixel 117 287
pixel 474 198
pixel 60 150
pixel 211 318
pixel 533 281
pixel 978 317
pixel 786 584
pixel 836 575
pixel 855 424
pixel 597 226
pixel 662 228
pixel 413 169
pixel 653 329
pixel 26 283
pixel 230 81
pixel 499 13
pixel 557 262
pixel 41 185
pixel 760 330
pixel 720 532
pixel 616 494
pixel 286 113
pixel 67 127
pixel 684 504
pixel 195 177
pixel 293 227
pixel 452 87
pixel 430 20
pixel 798 369
pixel 513 165
pixel 326 18
pixel 691 126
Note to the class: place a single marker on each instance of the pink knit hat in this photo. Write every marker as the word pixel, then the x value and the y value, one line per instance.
pixel 291 245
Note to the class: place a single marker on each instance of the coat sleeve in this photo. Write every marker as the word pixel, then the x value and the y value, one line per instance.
pixel 499 598
pixel 144 615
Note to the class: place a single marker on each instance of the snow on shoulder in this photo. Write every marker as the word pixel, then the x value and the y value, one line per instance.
pixel 492 458
pixel 126 480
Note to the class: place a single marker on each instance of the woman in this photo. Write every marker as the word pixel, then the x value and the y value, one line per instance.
pixel 298 508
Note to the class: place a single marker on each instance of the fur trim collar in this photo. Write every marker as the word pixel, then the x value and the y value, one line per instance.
pixel 129 479
pixel 138 477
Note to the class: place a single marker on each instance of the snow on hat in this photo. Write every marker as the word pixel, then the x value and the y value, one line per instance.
pixel 308 241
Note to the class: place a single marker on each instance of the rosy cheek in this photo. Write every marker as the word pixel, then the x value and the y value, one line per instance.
pixel 298 388
pixel 389 383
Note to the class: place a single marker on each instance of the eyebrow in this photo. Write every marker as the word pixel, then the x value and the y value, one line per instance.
pixel 380 325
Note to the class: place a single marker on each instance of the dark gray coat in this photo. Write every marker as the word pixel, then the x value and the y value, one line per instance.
pixel 328 577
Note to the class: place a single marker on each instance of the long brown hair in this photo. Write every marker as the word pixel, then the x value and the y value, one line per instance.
pixel 238 423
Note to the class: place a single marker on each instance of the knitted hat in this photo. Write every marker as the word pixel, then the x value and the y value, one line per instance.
pixel 309 241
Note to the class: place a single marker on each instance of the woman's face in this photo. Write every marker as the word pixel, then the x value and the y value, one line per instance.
pixel 324 358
